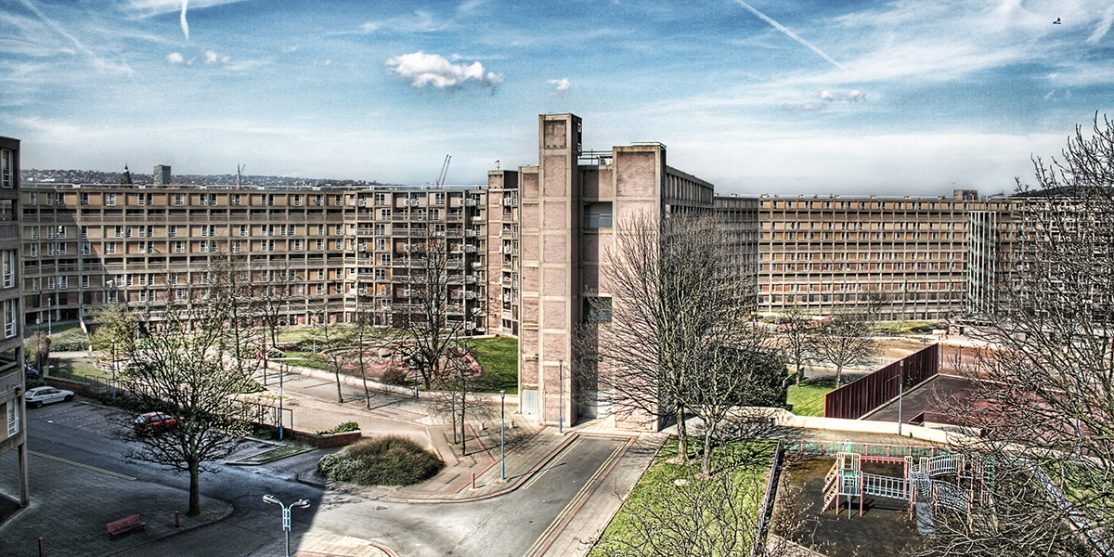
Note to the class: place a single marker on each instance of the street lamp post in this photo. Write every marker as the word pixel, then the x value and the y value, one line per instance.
pixel 561 398
pixel 502 435
pixel 900 393
pixel 111 284
pixel 282 372
pixel 300 504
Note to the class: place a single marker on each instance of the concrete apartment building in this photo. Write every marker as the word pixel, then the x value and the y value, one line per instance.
pixel 920 258
pixel 13 432
pixel 570 203
pixel 331 252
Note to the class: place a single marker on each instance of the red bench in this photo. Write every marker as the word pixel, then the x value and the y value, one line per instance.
pixel 124 525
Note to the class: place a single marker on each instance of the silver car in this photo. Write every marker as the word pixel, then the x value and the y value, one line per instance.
pixel 45 395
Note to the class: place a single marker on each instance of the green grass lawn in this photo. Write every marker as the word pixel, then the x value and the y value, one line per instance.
pixel 657 484
pixel 902 328
pixel 78 369
pixel 499 358
pixel 313 360
pixel 808 398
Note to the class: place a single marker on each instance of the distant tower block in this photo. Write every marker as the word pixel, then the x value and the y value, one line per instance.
pixel 162 174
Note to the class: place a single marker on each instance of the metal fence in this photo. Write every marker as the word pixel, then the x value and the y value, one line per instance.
pixel 854 400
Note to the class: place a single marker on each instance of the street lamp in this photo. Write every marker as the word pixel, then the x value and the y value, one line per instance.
pixel 502 435
pixel 300 504
pixel 900 392
pixel 112 284
pixel 561 398
pixel 282 372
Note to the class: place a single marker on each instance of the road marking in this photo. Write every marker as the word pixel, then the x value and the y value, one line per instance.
pixel 543 543
pixel 552 463
pixel 80 465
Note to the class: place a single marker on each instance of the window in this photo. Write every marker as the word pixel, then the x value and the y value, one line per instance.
pixel 83 198
pixel 9 267
pixel 7 168
pixel 13 417
pixel 321 230
pixel 171 231
pixel 35 233
pixel 11 325
pixel 113 296
pixel 235 199
pixel 179 247
pixel 384 214
pixel 179 199
pixel 320 245
pixel 597 215
pixel 85 281
pixel 243 230
pixel 109 199
pixel 597 309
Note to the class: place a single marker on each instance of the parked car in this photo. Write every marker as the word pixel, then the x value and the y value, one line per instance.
pixel 45 395
pixel 31 371
pixel 154 422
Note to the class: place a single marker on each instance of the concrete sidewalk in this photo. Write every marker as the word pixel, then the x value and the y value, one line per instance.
pixel 71 503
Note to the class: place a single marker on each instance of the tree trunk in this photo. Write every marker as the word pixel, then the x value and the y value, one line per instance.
pixel 336 371
pixel 363 375
pixel 706 467
pixel 195 490
pixel 798 368
pixel 682 438
pixel 839 375
pixel 463 438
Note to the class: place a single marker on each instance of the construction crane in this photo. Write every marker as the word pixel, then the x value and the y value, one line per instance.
pixel 444 171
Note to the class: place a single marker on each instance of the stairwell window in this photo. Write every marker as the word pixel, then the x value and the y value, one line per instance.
pixel 7 164
pixel 9 268
pixel 11 325
pixel 13 417
pixel 597 215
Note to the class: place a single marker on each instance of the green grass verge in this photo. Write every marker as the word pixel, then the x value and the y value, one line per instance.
pixel 656 485
pixel 499 358
pixel 78 369
pixel 902 328
pixel 807 398
pixel 309 359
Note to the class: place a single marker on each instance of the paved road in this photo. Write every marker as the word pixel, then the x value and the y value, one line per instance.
pixel 507 525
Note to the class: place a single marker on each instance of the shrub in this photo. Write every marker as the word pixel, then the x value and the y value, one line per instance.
pixel 395 376
pixel 384 461
pixel 69 344
pixel 345 427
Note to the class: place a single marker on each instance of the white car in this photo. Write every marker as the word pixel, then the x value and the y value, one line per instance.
pixel 45 395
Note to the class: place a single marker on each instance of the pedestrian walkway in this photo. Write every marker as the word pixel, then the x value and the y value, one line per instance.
pixel 71 502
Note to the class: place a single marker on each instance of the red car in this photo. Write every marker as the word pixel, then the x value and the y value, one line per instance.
pixel 154 422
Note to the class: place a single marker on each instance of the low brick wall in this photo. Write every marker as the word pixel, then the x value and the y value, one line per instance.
pixel 318 440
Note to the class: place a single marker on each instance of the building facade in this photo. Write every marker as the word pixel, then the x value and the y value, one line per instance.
pixel 332 253
pixel 13 425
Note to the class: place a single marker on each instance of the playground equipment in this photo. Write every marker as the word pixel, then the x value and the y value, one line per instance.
pixel 964 483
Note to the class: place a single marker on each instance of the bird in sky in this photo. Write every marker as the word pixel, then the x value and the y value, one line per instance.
pixel 1057 22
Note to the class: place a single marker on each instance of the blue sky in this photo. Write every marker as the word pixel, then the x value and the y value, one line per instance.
pixel 756 96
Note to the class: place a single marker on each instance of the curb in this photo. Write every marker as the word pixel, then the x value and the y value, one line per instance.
pixel 511 487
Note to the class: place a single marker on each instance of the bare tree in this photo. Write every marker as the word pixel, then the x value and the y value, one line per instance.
pixel 188 370
pixel 428 330
pixel 798 331
pixel 273 296
pixel 335 338
pixel 366 336
pixel 845 341
pixel 697 516
pixel 745 370
pixel 673 299
pixel 454 384
pixel 1046 382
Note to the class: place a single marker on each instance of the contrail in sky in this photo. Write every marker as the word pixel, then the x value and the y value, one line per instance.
pixel 789 33
pixel 185 24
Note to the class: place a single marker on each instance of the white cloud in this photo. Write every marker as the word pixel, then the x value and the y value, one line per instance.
pixel 854 95
pixel 1103 27
pixel 214 57
pixel 420 21
pixel 423 69
pixel 562 84
pixel 182 19
pixel 148 8
pixel 175 58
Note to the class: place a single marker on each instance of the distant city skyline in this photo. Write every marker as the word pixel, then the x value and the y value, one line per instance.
pixel 807 97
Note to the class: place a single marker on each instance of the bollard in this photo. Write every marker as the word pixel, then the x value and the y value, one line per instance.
pixel 177 519
pixel 473 480
pixel 41 552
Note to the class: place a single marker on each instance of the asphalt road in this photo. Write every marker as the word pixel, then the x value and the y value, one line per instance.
pixel 508 525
